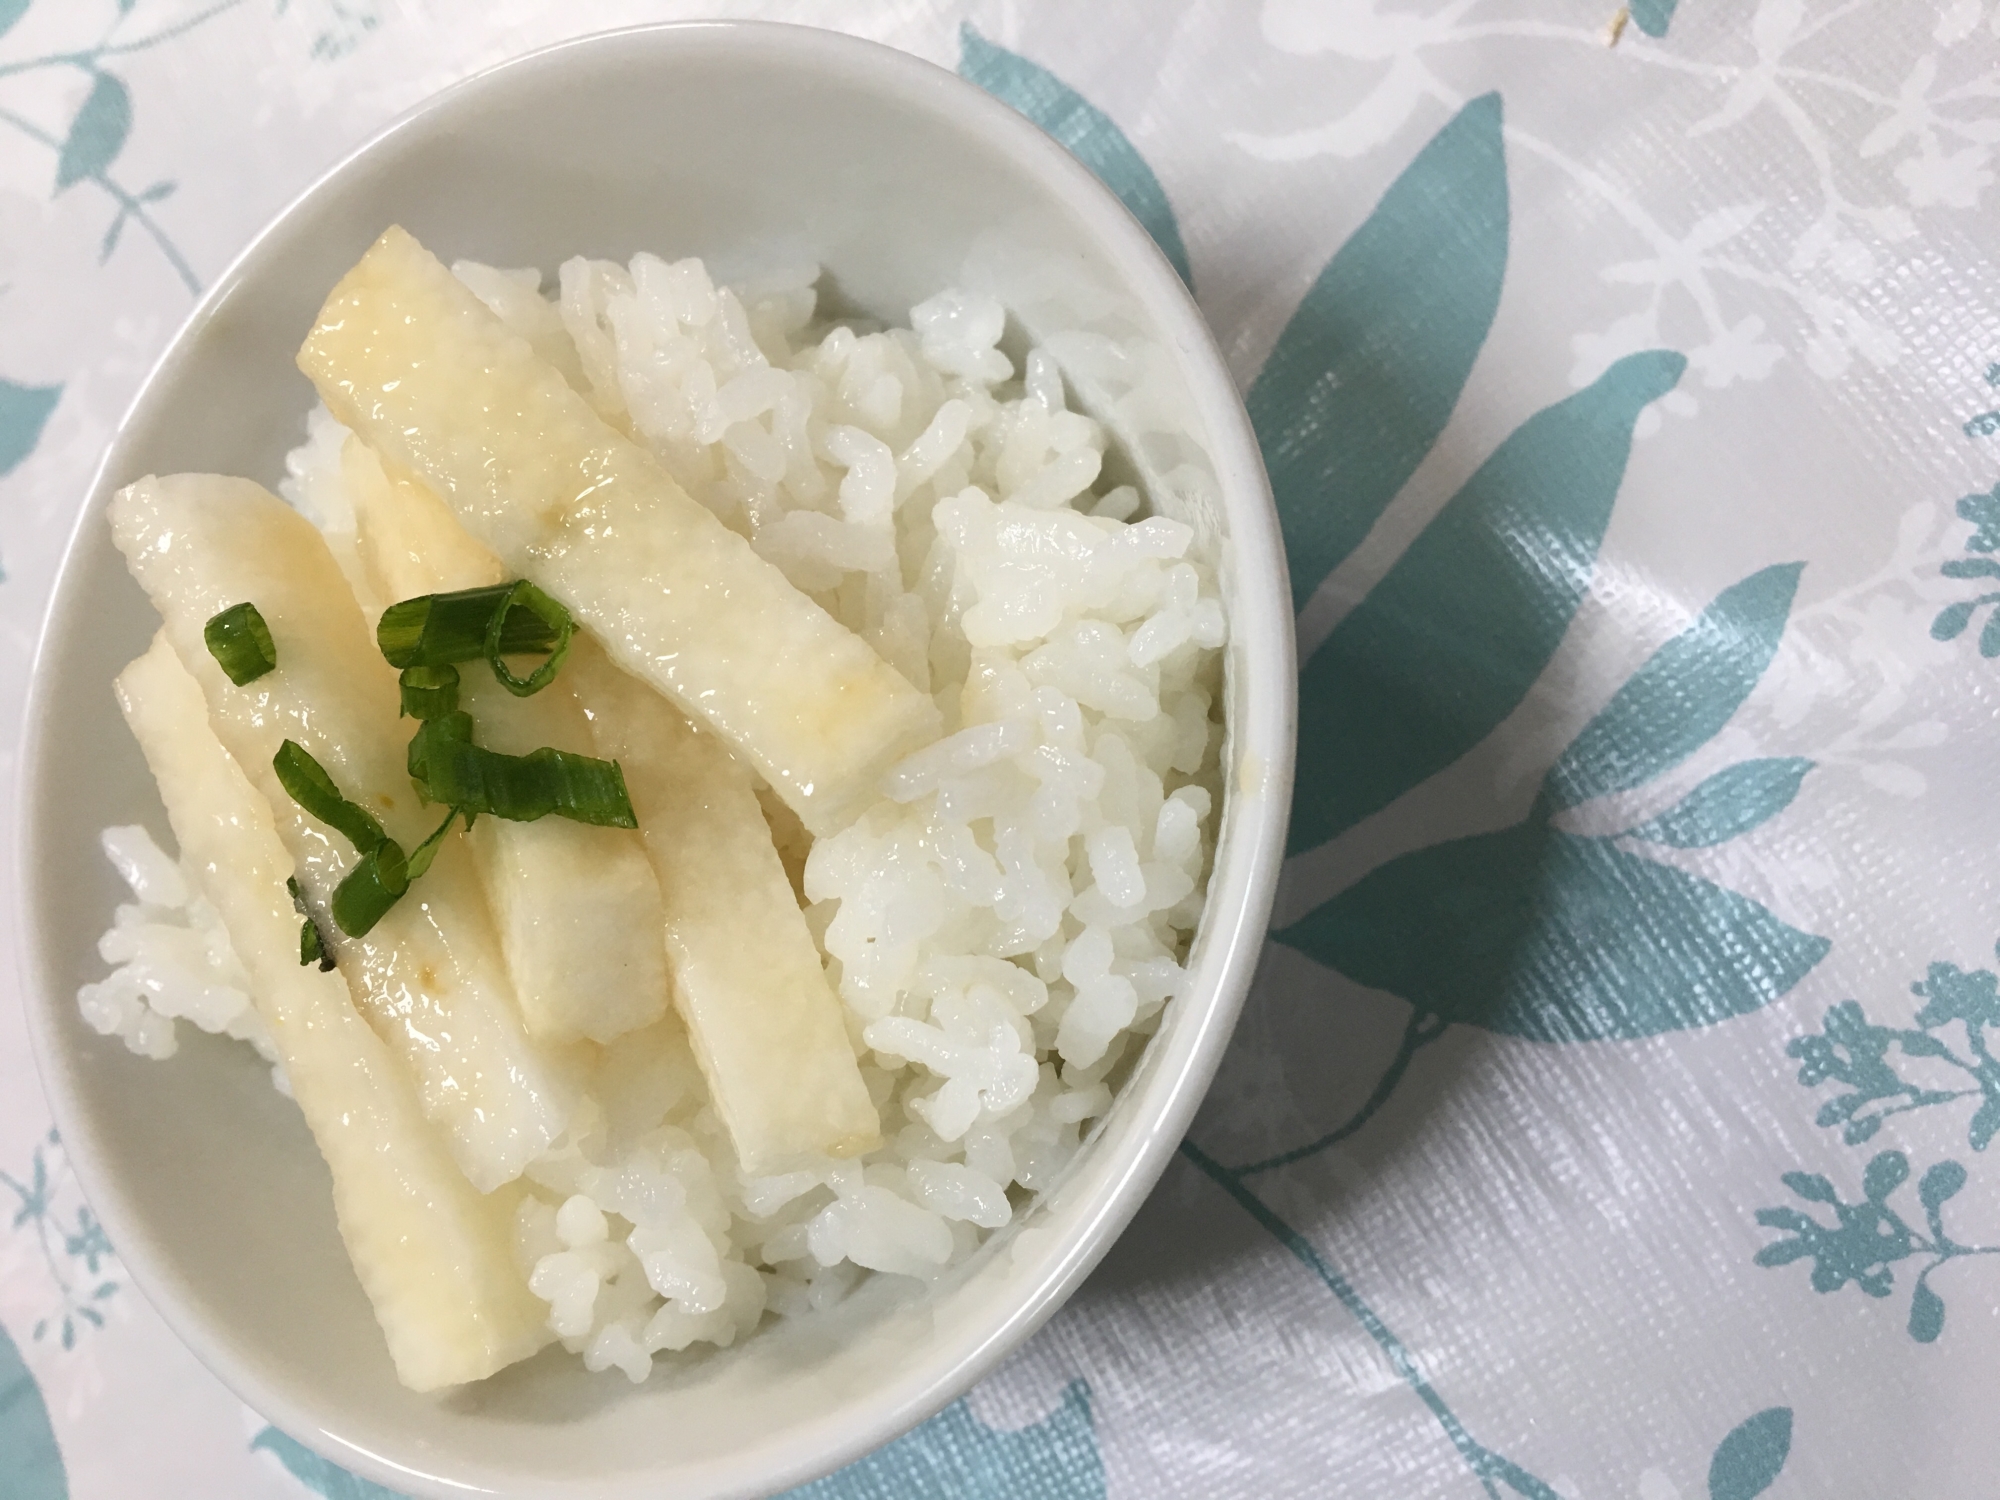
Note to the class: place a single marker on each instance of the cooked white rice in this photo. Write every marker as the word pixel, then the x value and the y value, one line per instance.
pixel 1004 925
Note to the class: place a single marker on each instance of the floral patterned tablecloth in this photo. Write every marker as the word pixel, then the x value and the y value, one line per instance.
pixel 1611 1117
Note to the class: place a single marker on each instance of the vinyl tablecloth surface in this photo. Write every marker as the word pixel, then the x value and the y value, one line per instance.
pixel 1611 1116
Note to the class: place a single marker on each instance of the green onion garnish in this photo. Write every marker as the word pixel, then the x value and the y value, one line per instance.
pixel 429 692
pixel 522 788
pixel 240 642
pixel 424 853
pixel 309 785
pixel 525 596
pixel 312 947
pixel 371 888
pixel 378 882
pixel 456 725
pixel 507 619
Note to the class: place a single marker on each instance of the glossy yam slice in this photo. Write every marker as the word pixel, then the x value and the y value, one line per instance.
pixel 433 1254
pixel 577 908
pixel 768 1030
pixel 429 976
pixel 416 365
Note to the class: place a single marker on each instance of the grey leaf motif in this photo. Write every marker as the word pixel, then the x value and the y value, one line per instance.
pixel 97 134
pixel 1682 696
pixel 1729 803
pixel 10 12
pixel 1748 1460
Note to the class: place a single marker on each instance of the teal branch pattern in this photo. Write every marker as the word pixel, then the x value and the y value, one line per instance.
pixel 73 1246
pixel 1490 1468
pixel 1853 1052
pixel 1941 1060
pixel 1983 511
pixel 1868 1236
pixel 88 149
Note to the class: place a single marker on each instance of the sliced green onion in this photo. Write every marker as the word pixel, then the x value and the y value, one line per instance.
pixel 435 630
pixel 312 947
pixel 525 596
pixel 424 853
pixel 429 692
pixel 309 785
pixel 523 788
pixel 454 726
pixel 240 642
pixel 371 888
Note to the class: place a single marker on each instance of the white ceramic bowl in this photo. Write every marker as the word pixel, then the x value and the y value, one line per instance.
pixel 745 144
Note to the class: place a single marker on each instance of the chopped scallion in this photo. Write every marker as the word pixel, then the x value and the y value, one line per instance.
pixel 456 726
pixel 506 619
pixel 240 642
pixel 312 946
pixel 522 788
pixel 429 692
pixel 525 596
pixel 371 888
pixel 309 785
pixel 424 853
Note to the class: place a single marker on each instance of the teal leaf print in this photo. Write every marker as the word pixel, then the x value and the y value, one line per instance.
pixel 1858 1055
pixel 1926 1314
pixel 1449 642
pixel 1550 937
pixel 23 411
pixel 1869 1237
pixel 1652 16
pixel 1365 375
pixel 10 12
pixel 97 134
pixel 1729 803
pixel 75 1251
pixel 1751 1457
pixel 1091 135
pixel 31 1466
pixel 325 1479
pixel 955 1456
pixel 1983 511
pixel 1685 692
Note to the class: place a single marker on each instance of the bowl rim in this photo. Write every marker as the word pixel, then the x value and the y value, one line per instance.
pixel 1265 731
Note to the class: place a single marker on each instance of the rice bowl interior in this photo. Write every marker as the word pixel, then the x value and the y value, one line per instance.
pixel 899 1349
